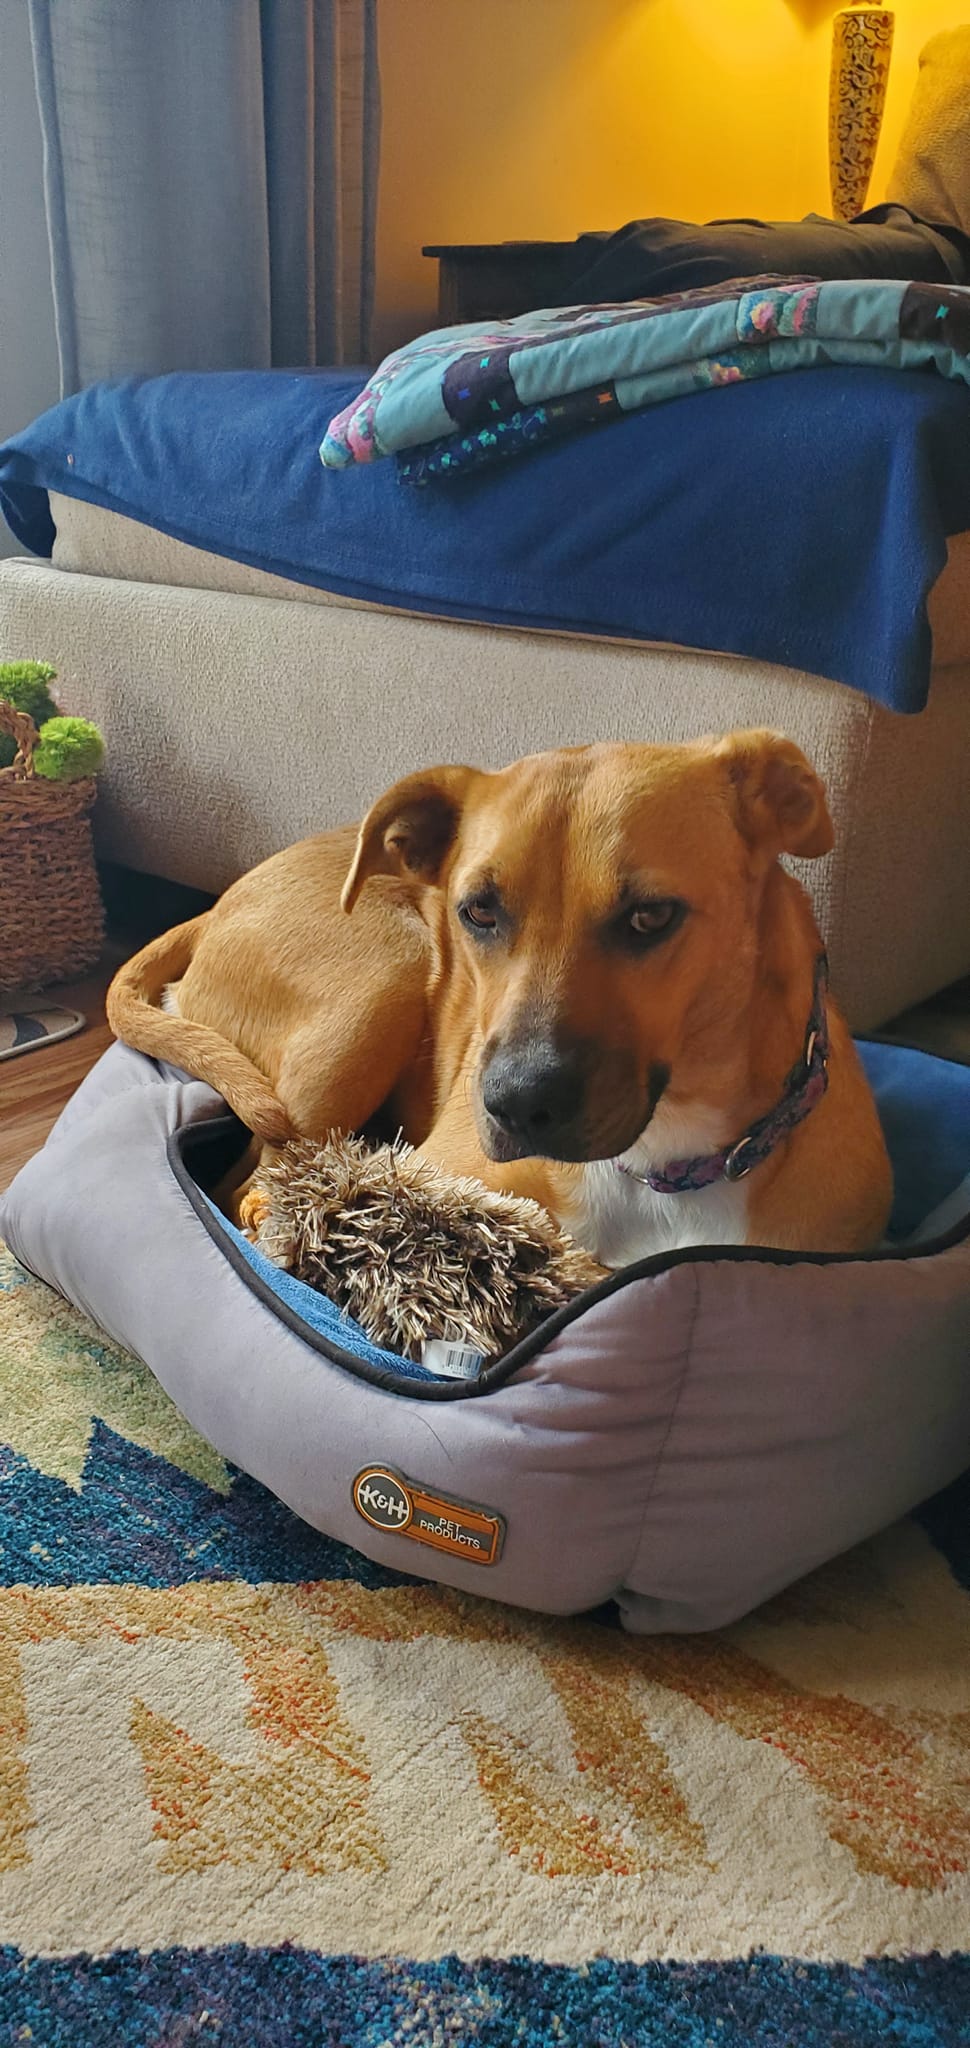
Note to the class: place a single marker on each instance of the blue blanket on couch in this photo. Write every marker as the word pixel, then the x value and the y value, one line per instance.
pixel 801 519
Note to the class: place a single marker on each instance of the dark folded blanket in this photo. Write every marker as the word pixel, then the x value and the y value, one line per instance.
pixel 648 257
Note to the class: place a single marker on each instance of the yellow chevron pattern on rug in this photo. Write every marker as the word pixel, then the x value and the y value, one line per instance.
pixel 267 1761
pixel 59 1371
pixel 889 1798
pixel 634 1815
pixel 299 1812
pixel 225 1736
pixel 304 1803
pixel 301 1803
pixel 14 1795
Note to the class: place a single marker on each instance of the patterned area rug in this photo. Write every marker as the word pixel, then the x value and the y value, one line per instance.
pixel 255 1790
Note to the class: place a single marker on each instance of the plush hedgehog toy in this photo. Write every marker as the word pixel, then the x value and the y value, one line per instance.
pixel 410 1252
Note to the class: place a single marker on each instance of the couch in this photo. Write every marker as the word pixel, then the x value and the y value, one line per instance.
pixel 243 710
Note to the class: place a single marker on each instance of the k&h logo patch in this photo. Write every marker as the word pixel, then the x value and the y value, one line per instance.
pixel 403 1507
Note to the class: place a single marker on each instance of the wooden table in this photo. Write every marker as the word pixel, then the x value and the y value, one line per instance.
pixel 496 280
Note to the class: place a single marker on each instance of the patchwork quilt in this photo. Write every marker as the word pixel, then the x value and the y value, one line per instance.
pixel 464 397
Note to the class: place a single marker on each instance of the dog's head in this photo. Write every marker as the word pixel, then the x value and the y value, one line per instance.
pixel 607 900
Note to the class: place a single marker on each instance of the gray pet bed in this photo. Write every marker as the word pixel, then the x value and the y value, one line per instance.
pixel 689 1438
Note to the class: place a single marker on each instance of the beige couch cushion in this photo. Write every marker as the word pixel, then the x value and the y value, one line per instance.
pixel 90 541
pixel 931 174
pixel 236 724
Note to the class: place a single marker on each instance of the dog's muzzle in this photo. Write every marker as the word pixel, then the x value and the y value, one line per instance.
pixel 545 1102
pixel 532 1103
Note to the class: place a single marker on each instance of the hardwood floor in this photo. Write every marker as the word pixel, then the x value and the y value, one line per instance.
pixel 35 1085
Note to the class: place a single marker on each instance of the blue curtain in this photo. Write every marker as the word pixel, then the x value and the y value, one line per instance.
pixel 211 181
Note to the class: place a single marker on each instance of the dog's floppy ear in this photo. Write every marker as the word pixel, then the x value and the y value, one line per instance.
pixel 779 798
pixel 410 829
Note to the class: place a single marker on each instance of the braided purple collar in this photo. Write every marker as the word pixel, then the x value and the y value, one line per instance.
pixel 804 1087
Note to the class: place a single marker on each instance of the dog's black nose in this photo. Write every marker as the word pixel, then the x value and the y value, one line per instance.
pixel 533 1095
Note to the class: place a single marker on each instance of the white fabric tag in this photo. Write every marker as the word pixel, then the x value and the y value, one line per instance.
pixel 451 1361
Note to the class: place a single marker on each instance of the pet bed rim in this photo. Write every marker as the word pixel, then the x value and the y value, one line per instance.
pixel 503 1368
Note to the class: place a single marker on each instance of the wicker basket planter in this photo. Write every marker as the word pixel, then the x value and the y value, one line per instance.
pixel 51 917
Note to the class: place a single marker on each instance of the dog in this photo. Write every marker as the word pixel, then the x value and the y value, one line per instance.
pixel 585 978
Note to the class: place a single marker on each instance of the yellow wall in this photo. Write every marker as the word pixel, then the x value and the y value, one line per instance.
pixel 522 118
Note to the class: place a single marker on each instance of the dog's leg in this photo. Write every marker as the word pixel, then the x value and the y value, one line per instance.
pixel 364 1052
pixel 234 1192
pixel 337 1073
pixel 250 1205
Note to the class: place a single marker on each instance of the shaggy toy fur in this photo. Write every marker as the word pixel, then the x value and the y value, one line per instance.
pixel 411 1252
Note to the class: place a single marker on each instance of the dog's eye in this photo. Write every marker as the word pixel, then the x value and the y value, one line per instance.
pixel 479 914
pixel 651 920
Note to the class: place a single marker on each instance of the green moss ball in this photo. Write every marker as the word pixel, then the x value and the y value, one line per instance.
pixel 69 748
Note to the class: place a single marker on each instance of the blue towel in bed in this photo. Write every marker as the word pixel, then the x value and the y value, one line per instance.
pixel 801 519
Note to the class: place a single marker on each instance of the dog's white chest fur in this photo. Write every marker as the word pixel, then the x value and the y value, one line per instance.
pixel 619 1219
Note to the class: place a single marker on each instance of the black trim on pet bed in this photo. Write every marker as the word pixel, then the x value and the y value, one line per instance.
pixel 222 1139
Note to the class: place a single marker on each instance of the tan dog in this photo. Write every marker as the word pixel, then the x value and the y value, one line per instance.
pixel 559 978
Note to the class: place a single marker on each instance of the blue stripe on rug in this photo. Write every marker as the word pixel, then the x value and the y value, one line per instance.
pixel 139 1520
pixel 294 1998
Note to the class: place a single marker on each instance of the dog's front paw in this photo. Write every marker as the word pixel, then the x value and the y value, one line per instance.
pixel 253 1211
